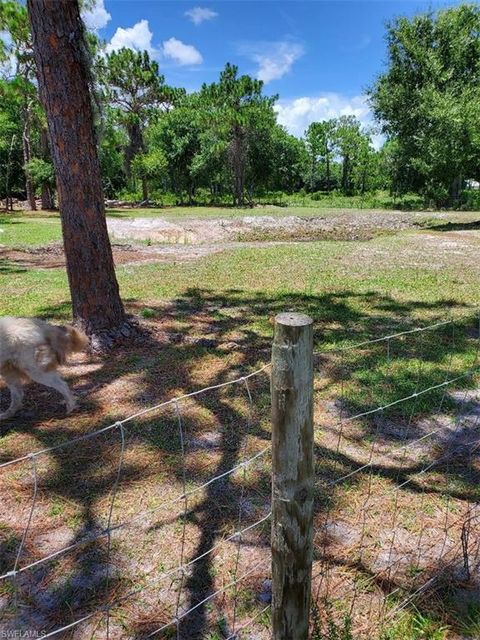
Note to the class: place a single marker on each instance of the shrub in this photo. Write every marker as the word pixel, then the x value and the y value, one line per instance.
pixel 471 200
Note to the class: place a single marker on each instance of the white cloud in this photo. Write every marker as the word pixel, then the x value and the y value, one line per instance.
pixel 298 113
pixel 181 53
pixel 274 59
pixel 138 38
pixel 200 14
pixel 96 16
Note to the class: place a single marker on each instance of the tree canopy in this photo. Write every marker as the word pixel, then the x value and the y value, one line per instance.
pixel 428 100
pixel 223 143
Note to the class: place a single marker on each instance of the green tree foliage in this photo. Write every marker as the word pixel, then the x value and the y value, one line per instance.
pixel 133 87
pixel 40 172
pixel 429 101
pixel 340 155
pixel 14 22
pixel 148 166
pixel 320 141
pixel 225 139
pixel 11 155
pixel 239 113
pixel 287 157
pixel 16 46
pixel 113 141
pixel 177 133
pixel 224 142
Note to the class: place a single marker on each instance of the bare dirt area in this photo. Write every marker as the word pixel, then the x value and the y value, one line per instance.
pixel 437 249
pixel 150 240
pixel 362 225
pixel 52 256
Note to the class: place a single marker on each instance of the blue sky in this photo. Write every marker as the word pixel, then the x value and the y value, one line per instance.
pixel 319 56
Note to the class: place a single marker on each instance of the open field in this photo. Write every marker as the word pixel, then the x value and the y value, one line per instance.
pixel 34 229
pixel 205 318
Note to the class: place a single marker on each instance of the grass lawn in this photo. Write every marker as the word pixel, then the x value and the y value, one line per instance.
pixel 29 229
pixel 208 321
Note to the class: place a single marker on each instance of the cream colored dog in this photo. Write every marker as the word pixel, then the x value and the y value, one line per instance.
pixel 32 350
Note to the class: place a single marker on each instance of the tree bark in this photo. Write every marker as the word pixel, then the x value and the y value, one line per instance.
pixel 238 153
pixel 145 193
pixel 62 69
pixel 327 159
pixel 455 190
pixel 27 154
pixel 135 146
pixel 47 195
pixel 8 199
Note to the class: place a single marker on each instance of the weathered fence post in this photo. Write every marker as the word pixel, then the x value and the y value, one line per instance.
pixel 293 474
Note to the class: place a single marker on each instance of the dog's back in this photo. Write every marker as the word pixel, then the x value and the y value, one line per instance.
pixel 31 349
pixel 27 340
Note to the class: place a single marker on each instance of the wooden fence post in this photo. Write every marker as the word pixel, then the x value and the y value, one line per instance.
pixel 293 475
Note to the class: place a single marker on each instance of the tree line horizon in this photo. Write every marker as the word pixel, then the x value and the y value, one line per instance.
pixel 223 145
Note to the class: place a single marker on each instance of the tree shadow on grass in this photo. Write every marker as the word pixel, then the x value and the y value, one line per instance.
pixel 474 225
pixel 170 357
pixel 8 267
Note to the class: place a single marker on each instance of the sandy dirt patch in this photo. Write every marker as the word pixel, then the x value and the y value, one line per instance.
pixel 358 226
pixel 435 249
pixel 52 256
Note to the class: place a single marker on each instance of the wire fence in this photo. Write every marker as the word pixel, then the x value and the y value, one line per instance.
pixel 161 523
pixel 399 462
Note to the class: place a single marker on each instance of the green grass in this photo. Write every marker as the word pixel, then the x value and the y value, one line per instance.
pixel 469 622
pixel 414 625
pixel 23 230
pixel 353 290
pixel 349 299
pixel 315 277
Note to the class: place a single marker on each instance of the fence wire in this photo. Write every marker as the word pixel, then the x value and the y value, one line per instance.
pixel 397 515
pixel 394 515
pixel 181 600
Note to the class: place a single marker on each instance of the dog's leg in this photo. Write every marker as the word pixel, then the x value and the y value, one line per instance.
pixel 53 380
pixel 16 398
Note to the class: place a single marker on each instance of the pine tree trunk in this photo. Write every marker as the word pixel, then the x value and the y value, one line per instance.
pixel 62 68
pixel 8 203
pixel 47 195
pixel 455 191
pixel 238 153
pixel 145 194
pixel 27 155
pixel 327 156
pixel 135 146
